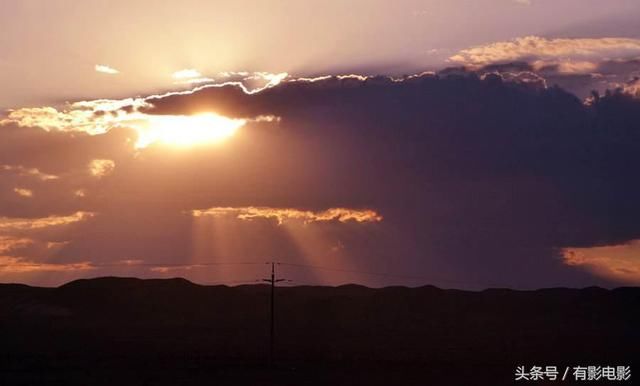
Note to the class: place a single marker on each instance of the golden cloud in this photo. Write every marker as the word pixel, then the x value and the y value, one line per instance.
pixel 101 167
pixel 10 243
pixel 569 54
pixel 92 117
pixel 21 224
pixel 22 192
pixel 285 214
pixel 9 264
pixel 618 262
pixel 33 172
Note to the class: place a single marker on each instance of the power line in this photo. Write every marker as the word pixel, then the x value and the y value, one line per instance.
pixel 227 282
pixel 411 277
pixel 176 265
pixel 352 271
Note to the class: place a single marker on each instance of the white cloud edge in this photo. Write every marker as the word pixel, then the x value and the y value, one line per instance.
pixel 106 69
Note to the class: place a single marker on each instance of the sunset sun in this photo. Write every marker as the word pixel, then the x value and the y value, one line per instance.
pixel 186 130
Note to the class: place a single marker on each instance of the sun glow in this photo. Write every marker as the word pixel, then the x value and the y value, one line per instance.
pixel 187 130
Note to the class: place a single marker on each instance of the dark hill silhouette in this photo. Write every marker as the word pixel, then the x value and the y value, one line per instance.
pixel 156 332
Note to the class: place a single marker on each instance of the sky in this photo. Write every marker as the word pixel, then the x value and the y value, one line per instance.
pixel 464 144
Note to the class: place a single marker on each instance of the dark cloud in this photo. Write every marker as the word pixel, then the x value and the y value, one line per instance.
pixel 478 180
pixel 483 172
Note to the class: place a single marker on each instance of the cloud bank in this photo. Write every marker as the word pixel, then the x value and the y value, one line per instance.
pixel 450 175
pixel 534 47
pixel 579 65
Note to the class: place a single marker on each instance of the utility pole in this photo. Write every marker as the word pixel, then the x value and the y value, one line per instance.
pixel 273 282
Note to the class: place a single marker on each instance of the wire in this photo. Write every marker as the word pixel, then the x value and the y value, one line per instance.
pixel 352 271
pixel 249 281
pixel 176 265
pixel 411 277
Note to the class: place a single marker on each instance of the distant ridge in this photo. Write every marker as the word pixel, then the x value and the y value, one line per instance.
pixel 125 281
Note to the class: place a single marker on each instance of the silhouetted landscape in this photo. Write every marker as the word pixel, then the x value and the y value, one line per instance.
pixel 109 331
